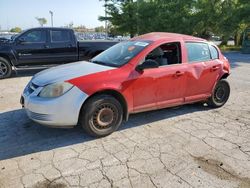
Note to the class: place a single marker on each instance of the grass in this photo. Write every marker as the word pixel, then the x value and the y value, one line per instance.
pixel 228 48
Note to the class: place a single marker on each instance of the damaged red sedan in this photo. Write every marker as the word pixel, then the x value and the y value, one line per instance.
pixel 152 71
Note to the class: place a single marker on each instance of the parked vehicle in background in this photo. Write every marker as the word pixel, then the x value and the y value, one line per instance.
pixel 152 71
pixel 46 46
pixel 246 42
pixel 215 38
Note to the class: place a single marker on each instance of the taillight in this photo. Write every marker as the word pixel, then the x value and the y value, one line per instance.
pixel 226 64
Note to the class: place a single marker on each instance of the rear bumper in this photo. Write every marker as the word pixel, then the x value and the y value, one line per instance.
pixel 61 111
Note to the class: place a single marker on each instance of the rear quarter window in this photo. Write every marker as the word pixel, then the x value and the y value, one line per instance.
pixel 197 52
pixel 214 52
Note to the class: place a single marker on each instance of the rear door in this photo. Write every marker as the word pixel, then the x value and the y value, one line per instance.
pixel 203 70
pixel 63 46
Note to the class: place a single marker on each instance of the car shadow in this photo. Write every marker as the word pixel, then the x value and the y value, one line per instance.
pixel 20 136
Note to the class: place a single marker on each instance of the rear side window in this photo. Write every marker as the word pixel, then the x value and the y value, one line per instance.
pixel 214 52
pixel 60 36
pixel 197 52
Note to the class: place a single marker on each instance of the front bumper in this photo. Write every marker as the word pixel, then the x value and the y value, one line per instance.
pixel 60 111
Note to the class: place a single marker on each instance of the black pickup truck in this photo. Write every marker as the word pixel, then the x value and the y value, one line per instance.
pixel 46 46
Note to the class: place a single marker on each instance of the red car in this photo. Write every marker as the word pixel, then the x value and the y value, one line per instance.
pixel 152 71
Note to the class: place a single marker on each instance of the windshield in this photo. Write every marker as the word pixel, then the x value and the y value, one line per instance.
pixel 13 37
pixel 120 53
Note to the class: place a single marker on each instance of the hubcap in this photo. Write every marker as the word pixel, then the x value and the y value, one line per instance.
pixel 220 94
pixel 104 116
pixel 3 69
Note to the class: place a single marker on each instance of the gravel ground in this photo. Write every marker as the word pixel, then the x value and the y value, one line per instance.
pixel 188 146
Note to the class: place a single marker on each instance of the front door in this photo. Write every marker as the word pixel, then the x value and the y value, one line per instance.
pixel 30 48
pixel 145 90
pixel 163 86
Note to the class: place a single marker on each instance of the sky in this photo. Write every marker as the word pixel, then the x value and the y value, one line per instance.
pixel 22 13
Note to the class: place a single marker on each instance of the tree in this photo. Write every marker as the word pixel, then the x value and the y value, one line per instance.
pixel 100 29
pixel 41 21
pixel 223 17
pixel 141 16
pixel 203 18
pixel 71 24
pixel 16 30
pixel 244 16
pixel 122 15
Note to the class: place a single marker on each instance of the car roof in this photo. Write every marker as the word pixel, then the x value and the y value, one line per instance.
pixel 49 28
pixel 155 36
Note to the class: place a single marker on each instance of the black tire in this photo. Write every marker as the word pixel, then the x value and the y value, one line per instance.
pixel 101 115
pixel 5 68
pixel 220 94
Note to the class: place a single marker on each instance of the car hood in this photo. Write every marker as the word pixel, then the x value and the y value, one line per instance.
pixel 66 72
pixel 5 42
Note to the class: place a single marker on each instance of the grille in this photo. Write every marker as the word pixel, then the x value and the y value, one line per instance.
pixel 31 88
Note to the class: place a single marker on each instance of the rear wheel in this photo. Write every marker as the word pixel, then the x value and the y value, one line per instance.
pixel 101 115
pixel 5 68
pixel 220 94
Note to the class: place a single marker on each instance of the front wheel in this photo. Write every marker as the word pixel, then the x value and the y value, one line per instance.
pixel 220 94
pixel 101 115
pixel 5 68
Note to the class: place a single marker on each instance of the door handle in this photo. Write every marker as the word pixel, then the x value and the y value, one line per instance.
pixel 46 46
pixel 214 68
pixel 70 45
pixel 178 73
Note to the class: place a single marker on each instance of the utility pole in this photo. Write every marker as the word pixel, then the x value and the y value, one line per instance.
pixel 106 24
pixel 137 16
pixel 51 16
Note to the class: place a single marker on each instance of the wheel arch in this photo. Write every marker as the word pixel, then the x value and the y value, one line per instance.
pixel 117 95
pixel 5 56
pixel 224 75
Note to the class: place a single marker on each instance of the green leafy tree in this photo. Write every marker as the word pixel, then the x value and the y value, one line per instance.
pixel 16 30
pixel 100 29
pixel 203 18
pixel 41 21
pixel 138 17
pixel 122 15
pixel 222 17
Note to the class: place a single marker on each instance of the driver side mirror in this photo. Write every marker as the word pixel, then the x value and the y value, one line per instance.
pixel 20 40
pixel 148 64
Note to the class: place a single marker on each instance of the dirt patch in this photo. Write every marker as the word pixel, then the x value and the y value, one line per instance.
pixel 216 168
pixel 47 184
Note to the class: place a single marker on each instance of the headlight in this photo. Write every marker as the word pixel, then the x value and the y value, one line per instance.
pixel 55 90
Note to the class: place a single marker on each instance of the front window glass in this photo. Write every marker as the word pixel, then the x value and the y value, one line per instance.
pixel 35 36
pixel 166 54
pixel 197 52
pixel 120 53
